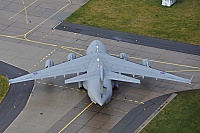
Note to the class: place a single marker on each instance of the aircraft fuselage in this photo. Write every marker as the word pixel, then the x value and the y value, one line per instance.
pixel 99 89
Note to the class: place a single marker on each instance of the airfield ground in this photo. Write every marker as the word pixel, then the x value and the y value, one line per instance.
pixel 180 22
pixel 180 115
pixel 27 40
pixel 4 86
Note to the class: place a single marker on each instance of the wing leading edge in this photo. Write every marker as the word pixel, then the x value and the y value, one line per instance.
pixel 70 67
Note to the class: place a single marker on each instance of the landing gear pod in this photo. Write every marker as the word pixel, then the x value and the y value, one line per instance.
pixel 71 56
pixel 123 56
pixel 146 62
pixel 49 63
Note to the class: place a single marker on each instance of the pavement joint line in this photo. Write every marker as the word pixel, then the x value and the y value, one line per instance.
pixel 108 108
pixel 156 112
pixel 60 86
pixel 83 91
pixel 23 9
pixel 42 60
pixel 48 18
pixel 68 48
pixel 26 39
pixel 75 118
pixel 76 49
pixel 47 35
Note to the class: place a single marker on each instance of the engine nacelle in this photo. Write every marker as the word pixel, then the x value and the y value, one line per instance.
pixel 71 56
pixel 49 63
pixel 123 56
pixel 146 62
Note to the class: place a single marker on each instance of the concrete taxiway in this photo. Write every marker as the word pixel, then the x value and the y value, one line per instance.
pixel 27 40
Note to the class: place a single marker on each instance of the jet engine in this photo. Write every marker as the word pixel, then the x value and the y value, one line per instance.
pixel 123 56
pixel 49 63
pixel 71 56
pixel 146 62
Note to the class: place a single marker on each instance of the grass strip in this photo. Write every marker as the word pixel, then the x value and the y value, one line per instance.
pixel 180 22
pixel 181 115
pixel 4 86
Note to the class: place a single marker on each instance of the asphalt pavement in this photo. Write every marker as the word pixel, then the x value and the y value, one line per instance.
pixel 16 97
pixel 138 115
pixel 130 38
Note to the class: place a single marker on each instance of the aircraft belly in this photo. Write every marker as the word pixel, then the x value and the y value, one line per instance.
pixel 95 94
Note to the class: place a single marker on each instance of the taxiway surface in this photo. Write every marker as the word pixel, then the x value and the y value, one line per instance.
pixel 27 40
pixel 16 98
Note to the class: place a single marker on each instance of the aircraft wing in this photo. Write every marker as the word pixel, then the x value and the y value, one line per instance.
pixel 122 66
pixel 70 67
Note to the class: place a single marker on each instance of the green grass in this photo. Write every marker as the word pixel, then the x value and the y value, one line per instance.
pixel 180 22
pixel 181 115
pixel 4 86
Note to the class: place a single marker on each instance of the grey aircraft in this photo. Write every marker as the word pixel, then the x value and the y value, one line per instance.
pixel 98 72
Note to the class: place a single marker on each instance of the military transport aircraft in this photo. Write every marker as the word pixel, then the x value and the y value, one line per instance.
pixel 98 72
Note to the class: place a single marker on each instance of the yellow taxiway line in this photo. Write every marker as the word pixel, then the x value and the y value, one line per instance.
pixel 72 50
pixel 23 9
pixel 38 42
pixel 162 62
pixel 80 49
pixel 175 71
pixel 47 19
pixel 75 118
pixel 174 64
pixel 25 12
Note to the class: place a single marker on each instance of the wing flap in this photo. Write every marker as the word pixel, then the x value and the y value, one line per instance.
pixel 120 77
pixel 83 77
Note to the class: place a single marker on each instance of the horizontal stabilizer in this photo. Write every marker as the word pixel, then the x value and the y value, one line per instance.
pixel 82 77
pixel 120 77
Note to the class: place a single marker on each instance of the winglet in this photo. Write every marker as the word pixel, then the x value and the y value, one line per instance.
pixel 8 80
pixel 190 80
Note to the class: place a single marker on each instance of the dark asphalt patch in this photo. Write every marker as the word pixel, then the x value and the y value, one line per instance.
pixel 130 38
pixel 16 98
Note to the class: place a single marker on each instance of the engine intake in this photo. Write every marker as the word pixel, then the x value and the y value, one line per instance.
pixel 123 56
pixel 71 56
pixel 49 63
pixel 146 62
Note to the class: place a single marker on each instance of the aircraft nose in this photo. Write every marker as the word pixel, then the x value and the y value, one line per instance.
pixel 100 100
pixel 100 103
